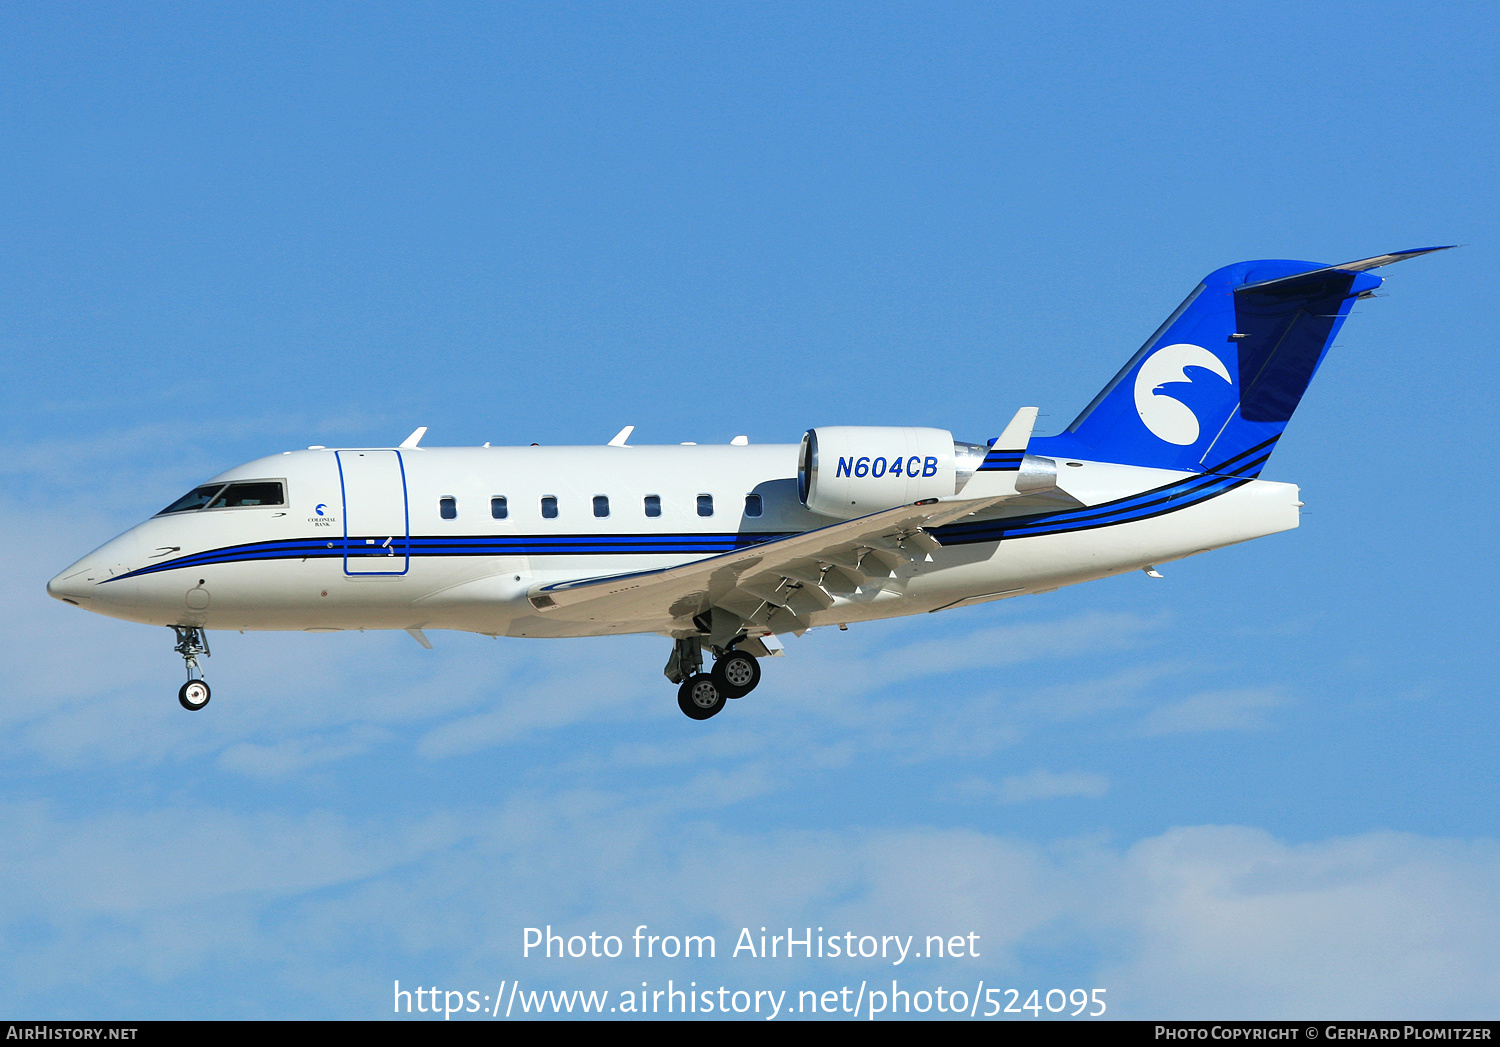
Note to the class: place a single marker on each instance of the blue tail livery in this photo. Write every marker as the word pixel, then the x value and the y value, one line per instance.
pixel 1213 388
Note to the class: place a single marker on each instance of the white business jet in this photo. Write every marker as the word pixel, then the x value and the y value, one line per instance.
pixel 730 547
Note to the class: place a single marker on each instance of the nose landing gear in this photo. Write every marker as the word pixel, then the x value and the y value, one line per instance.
pixel 191 642
pixel 194 695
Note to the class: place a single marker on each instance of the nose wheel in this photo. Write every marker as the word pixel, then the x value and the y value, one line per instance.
pixel 194 695
pixel 191 642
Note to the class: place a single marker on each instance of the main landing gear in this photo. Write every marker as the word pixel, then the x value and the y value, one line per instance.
pixel 191 642
pixel 702 694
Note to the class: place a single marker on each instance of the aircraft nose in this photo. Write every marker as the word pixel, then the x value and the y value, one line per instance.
pixel 84 583
pixel 75 585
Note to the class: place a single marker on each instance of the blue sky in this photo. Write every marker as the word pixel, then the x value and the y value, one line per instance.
pixel 1263 786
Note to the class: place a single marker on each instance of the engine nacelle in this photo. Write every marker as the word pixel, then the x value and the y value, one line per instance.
pixel 846 471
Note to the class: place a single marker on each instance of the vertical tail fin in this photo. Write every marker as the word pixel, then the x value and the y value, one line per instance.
pixel 1213 388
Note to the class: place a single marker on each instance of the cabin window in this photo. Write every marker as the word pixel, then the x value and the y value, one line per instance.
pixel 601 505
pixel 752 505
pixel 653 505
pixel 705 505
pixel 498 509
pixel 448 507
pixel 549 507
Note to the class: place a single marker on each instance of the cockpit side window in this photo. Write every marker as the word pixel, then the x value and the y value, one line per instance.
pixel 197 498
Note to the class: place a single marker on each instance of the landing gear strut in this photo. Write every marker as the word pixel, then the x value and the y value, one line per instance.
pixel 191 642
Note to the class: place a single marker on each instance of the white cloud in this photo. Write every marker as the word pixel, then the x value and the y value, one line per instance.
pixel 1040 784
pixel 291 755
pixel 1238 710
pixel 1194 922
pixel 1231 922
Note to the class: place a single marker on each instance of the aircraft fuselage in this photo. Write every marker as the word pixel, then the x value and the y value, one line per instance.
pixel 415 538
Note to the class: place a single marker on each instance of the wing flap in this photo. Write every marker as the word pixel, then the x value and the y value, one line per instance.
pixel 800 574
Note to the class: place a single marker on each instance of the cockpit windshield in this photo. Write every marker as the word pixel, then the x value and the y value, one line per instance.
pixel 261 492
pixel 229 496
pixel 197 498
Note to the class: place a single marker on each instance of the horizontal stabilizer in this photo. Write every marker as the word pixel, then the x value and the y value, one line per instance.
pixel 1296 280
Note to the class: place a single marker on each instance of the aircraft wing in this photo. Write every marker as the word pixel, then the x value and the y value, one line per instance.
pixel 766 586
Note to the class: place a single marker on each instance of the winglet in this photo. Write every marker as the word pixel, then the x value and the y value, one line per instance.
pixel 1007 449
pixel 1018 433
pixel 1001 466
pixel 622 436
pixel 416 437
